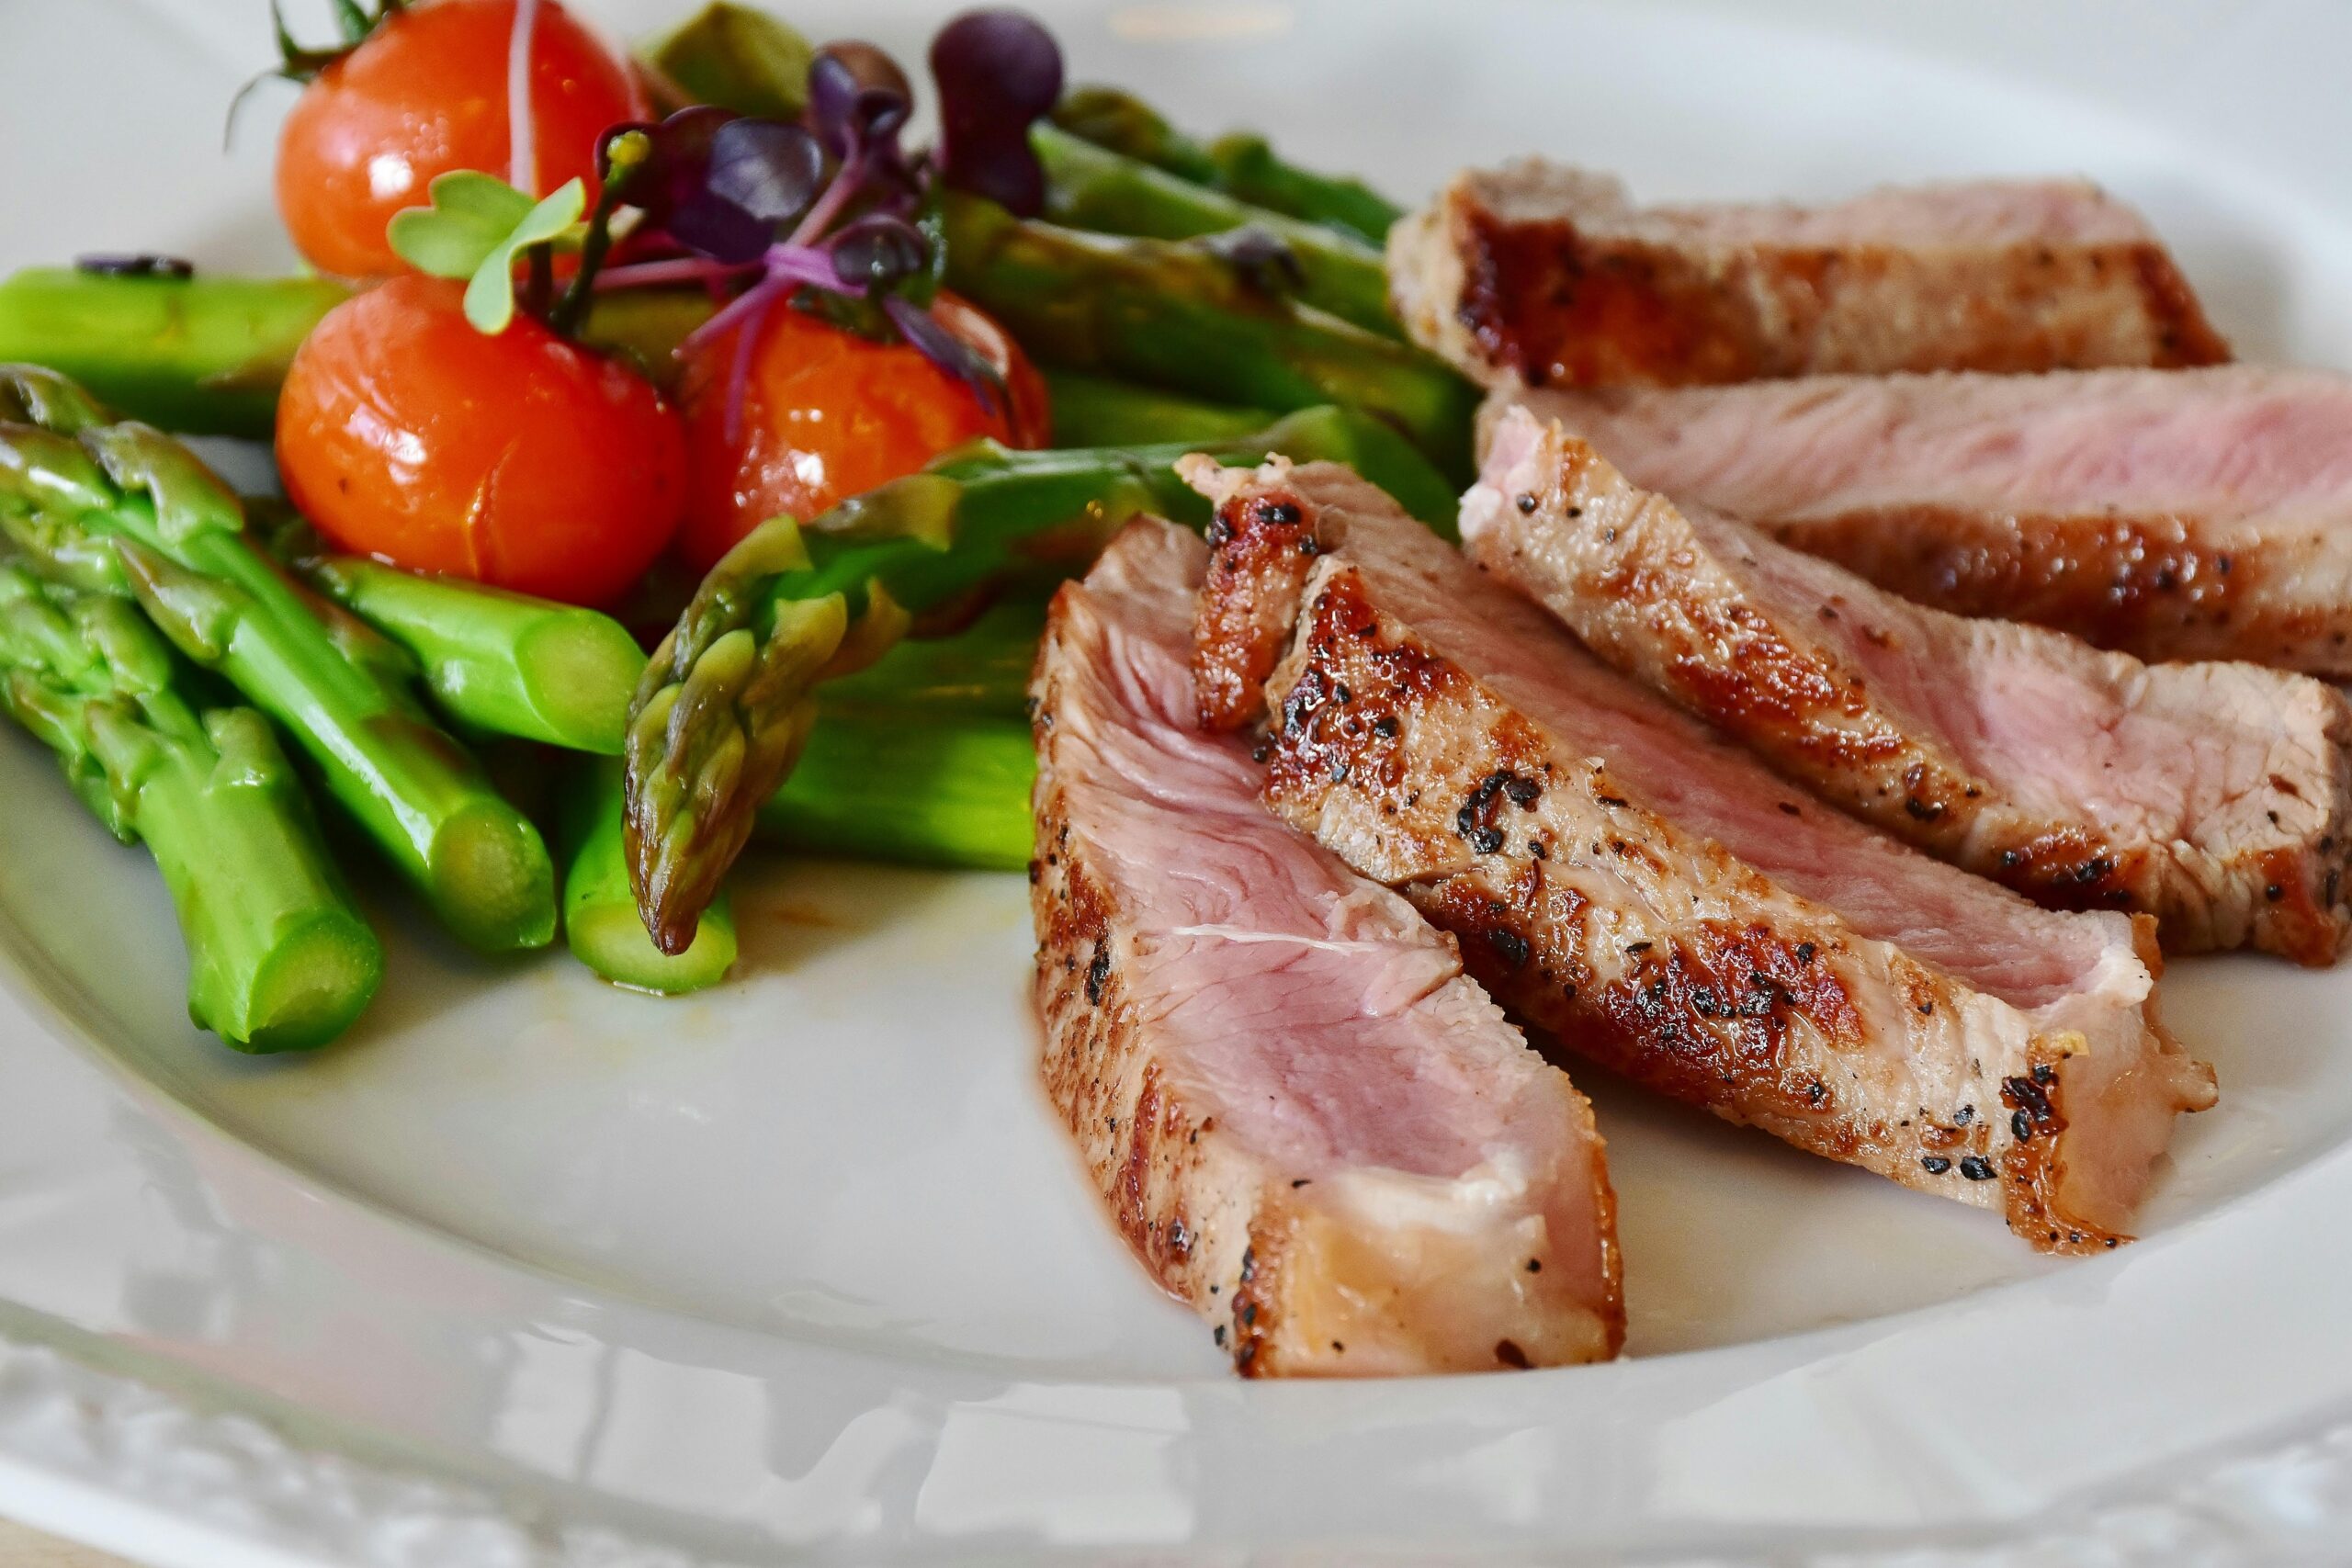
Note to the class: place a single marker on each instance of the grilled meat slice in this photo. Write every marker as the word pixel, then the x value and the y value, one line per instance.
pixel 2213 796
pixel 2183 514
pixel 1646 891
pixel 1307 1122
pixel 1540 275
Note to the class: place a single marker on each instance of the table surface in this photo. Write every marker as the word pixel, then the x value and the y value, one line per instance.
pixel 21 1548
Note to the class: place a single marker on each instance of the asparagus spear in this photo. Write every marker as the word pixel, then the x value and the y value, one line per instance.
pixel 980 672
pixel 1248 169
pixel 504 664
pixel 1172 314
pixel 1087 186
pixel 1241 165
pixel 726 703
pixel 1096 411
pixel 599 920
pixel 203 355
pixel 737 58
pixel 930 786
pixel 923 757
pixel 278 957
pixel 122 508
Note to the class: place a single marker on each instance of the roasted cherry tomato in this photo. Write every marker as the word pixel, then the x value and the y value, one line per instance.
pixel 424 94
pixel 521 460
pixel 828 414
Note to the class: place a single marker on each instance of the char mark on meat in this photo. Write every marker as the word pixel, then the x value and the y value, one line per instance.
pixel 1305 1120
pixel 1540 275
pixel 1626 879
pixel 2212 796
pixel 2196 514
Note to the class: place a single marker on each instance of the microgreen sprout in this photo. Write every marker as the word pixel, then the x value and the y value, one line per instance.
pixel 833 214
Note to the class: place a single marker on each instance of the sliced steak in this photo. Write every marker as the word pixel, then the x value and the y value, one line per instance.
pixel 1650 894
pixel 1307 1122
pixel 2212 796
pixel 2187 515
pixel 1540 275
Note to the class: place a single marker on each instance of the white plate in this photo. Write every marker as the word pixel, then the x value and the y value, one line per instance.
pixel 531 1271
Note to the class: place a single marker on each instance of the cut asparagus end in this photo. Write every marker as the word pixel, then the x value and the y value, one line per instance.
pixel 492 882
pixel 317 978
pixel 599 919
pixel 608 936
pixel 580 671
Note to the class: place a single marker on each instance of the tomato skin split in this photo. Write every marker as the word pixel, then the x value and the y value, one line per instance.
pixel 522 460
pixel 827 414
pixel 424 94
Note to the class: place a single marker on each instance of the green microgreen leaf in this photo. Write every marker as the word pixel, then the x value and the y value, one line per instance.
pixel 490 297
pixel 470 214
pixel 474 228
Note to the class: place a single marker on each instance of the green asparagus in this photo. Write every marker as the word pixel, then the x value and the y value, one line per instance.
pixel 278 957
pixel 726 703
pixel 1172 314
pixel 1242 165
pixel 1095 411
pixel 737 58
pixel 503 663
pixel 205 356
pixel 600 921
pixel 1088 186
pixel 982 671
pixel 202 355
pixel 929 786
pixel 123 509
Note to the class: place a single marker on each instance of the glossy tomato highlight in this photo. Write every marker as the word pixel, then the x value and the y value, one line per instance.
pixel 424 94
pixel 522 460
pixel 828 414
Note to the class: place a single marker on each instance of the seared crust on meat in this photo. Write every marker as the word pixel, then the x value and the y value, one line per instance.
pixel 1657 951
pixel 1461 1218
pixel 2213 796
pixel 2191 515
pixel 1541 274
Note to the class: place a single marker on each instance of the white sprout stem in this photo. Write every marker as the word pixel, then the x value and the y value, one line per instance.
pixel 524 171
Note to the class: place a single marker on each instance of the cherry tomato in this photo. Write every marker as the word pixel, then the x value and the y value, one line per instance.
pixel 828 414
pixel 426 94
pixel 521 460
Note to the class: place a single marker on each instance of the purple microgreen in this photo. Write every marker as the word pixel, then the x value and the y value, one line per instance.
pixel 879 251
pixel 998 72
pixel 944 349
pixel 677 160
pixel 671 270
pixel 769 169
pixel 857 97
pixel 1260 258
pixel 141 265
pixel 752 201
pixel 724 187
pixel 523 156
